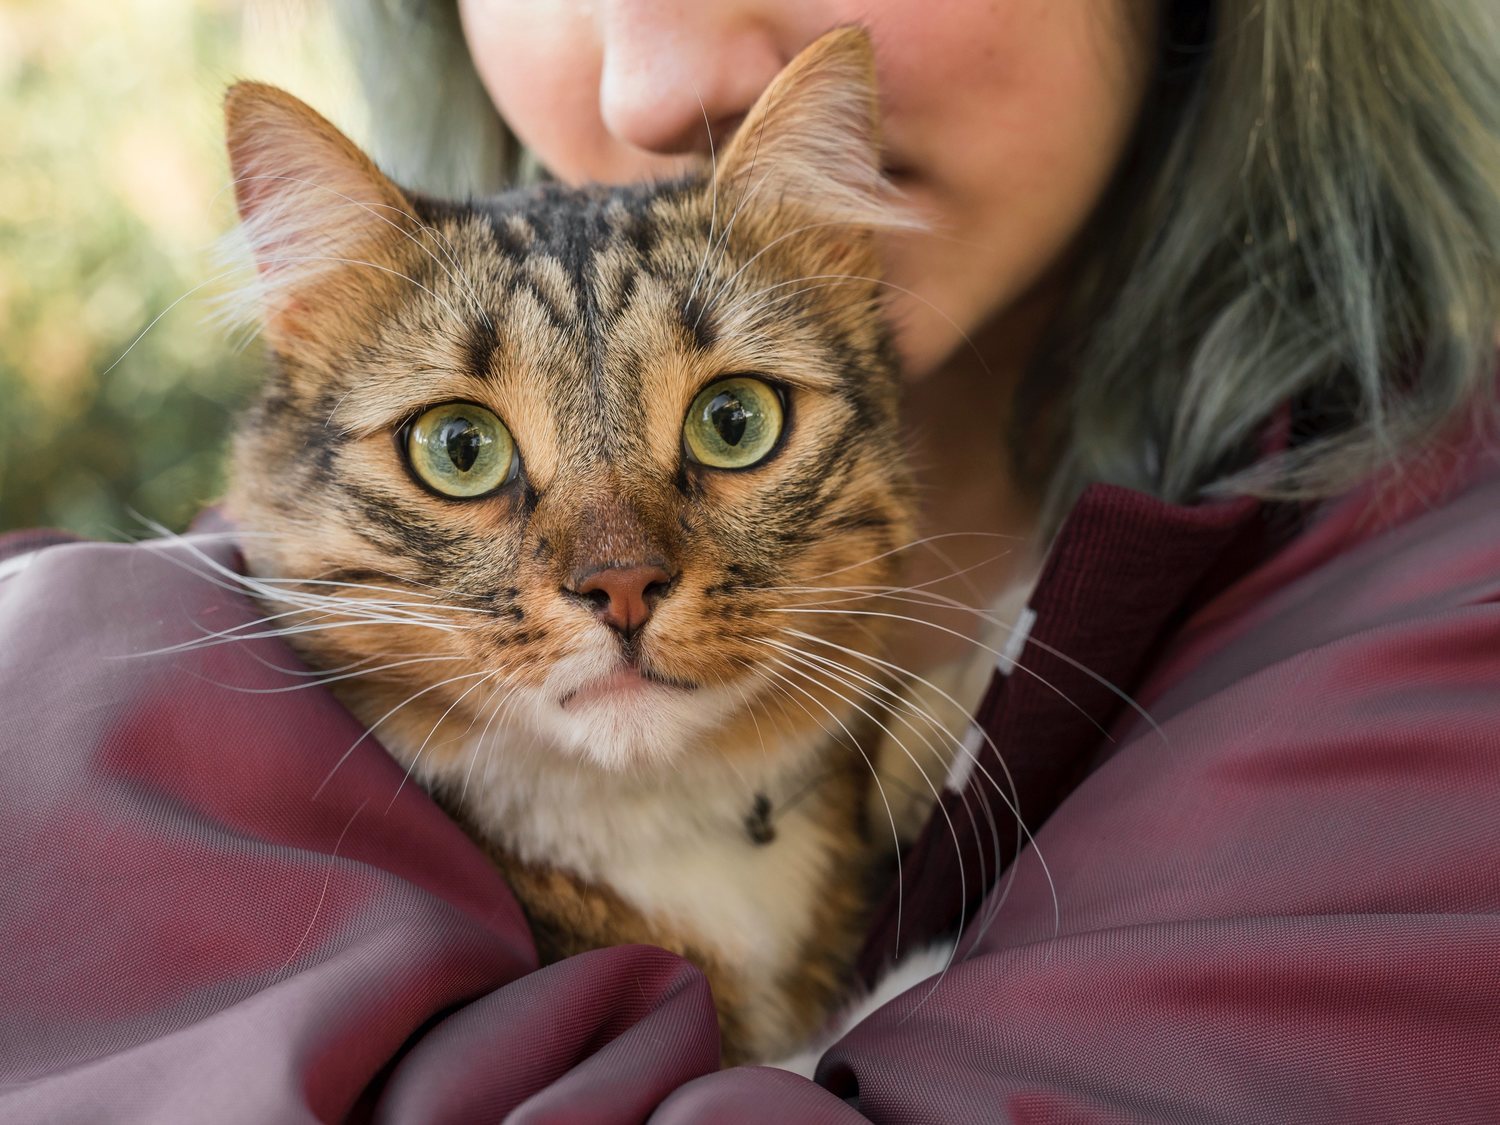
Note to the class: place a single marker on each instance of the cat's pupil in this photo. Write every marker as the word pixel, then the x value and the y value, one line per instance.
pixel 728 416
pixel 463 441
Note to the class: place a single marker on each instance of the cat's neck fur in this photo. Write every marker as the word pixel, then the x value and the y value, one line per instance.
pixel 685 841
pixel 754 869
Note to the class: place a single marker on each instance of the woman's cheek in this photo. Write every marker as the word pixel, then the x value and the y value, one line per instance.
pixel 1007 158
pixel 539 63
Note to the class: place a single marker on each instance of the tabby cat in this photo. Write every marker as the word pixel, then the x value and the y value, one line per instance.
pixel 562 475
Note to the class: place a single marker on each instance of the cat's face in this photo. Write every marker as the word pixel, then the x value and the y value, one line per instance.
pixel 586 454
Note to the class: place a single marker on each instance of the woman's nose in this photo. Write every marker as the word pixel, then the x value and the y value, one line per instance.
pixel 676 72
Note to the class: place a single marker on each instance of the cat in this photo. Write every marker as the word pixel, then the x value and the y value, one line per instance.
pixel 571 477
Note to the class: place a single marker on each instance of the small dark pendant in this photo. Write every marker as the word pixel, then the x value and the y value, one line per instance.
pixel 758 824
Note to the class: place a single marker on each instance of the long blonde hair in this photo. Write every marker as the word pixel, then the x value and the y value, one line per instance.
pixel 1309 215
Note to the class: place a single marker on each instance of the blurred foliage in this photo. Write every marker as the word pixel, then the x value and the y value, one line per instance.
pixel 116 389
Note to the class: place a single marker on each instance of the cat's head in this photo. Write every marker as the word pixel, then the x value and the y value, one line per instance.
pixel 606 460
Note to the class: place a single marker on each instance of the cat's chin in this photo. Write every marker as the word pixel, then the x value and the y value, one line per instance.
pixel 622 687
pixel 631 728
pixel 622 718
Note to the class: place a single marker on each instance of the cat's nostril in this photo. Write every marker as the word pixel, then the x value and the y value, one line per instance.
pixel 623 597
pixel 657 590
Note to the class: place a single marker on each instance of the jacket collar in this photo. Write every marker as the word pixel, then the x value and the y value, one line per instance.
pixel 1122 575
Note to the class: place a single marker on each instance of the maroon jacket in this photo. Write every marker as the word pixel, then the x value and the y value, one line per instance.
pixel 1277 900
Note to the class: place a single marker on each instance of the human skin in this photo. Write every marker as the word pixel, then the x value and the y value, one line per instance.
pixel 1003 122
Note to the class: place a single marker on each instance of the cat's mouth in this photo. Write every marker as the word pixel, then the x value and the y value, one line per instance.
pixel 624 683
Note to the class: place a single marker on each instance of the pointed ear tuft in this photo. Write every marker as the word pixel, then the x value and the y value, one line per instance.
pixel 812 140
pixel 310 201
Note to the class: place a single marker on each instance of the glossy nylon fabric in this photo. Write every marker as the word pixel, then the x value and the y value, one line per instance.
pixel 1280 903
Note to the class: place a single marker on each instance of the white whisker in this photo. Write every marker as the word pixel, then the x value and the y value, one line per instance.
pixel 1012 803
pixel 713 206
pixel 494 713
pixel 326 680
pixel 412 765
pixel 322 894
pixel 378 722
pixel 1014 664
pixel 873 772
pixel 932 599
pixel 830 279
pixel 855 681
pixel 922 542
pixel 724 286
pixel 723 247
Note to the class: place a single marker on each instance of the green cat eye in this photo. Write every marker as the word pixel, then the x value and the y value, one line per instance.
pixel 733 423
pixel 460 450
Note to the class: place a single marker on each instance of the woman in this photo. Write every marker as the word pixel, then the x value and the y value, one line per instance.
pixel 1206 252
pixel 1207 319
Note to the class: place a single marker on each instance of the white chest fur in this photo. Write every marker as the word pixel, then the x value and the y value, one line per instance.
pixel 674 844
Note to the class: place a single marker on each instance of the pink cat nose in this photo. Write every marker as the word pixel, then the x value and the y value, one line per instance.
pixel 623 596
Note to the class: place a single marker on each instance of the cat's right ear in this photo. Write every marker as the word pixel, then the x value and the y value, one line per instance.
pixel 312 205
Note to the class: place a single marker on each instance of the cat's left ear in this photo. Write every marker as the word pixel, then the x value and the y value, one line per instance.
pixel 812 140
pixel 314 207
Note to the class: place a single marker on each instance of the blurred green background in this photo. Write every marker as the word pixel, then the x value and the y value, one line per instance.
pixel 113 196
